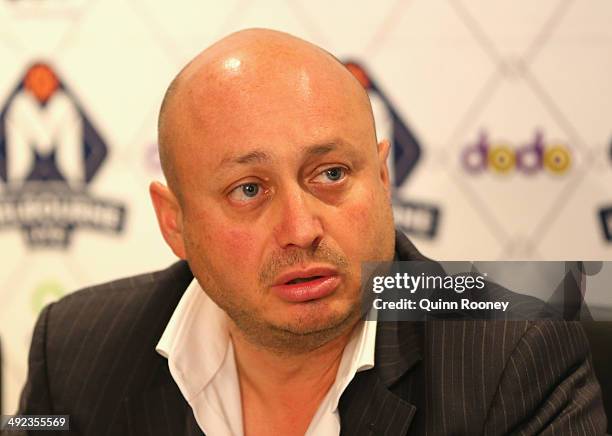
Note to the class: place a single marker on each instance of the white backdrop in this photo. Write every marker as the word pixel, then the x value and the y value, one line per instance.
pixel 466 89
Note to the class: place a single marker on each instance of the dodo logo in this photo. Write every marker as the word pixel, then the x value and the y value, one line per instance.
pixel 503 158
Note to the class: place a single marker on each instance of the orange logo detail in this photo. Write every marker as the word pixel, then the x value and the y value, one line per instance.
pixel 41 81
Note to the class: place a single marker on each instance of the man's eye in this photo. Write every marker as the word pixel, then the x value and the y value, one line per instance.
pixel 331 175
pixel 245 192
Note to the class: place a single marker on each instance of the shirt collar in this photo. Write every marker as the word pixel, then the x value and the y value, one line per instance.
pixel 358 355
pixel 195 340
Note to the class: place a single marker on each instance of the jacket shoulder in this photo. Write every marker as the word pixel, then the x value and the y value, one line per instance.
pixel 131 288
pixel 100 341
pixel 105 309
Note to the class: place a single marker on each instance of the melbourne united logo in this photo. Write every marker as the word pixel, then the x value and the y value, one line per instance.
pixel 416 218
pixel 49 154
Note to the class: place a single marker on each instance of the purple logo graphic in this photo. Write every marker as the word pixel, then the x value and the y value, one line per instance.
pixel 503 158
pixel 416 218
pixel 49 154
pixel 151 158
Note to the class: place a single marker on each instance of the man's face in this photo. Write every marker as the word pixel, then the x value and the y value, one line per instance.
pixel 283 194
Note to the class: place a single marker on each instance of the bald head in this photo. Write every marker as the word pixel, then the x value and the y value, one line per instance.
pixel 248 71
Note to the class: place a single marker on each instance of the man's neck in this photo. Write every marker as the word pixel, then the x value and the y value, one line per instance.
pixel 288 384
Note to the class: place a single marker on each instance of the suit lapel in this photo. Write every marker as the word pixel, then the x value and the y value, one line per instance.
pixel 369 405
pixel 158 411
pixel 405 250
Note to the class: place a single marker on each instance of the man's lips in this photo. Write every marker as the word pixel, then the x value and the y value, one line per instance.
pixel 301 285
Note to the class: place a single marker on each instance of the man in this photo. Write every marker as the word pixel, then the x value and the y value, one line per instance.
pixel 277 192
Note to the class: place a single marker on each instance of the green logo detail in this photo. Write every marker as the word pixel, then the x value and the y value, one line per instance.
pixel 45 292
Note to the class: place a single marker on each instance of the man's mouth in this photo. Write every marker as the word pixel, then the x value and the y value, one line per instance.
pixel 302 280
pixel 306 284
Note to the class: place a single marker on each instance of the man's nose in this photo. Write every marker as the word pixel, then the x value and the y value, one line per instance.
pixel 299 223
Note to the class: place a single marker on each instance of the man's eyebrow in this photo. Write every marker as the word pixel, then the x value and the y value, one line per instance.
pixel 319 149
pixel 324 148
pixel 256 156
pixel 260 156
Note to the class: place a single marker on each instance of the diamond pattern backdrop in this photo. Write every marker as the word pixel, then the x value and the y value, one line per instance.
pixel 507 103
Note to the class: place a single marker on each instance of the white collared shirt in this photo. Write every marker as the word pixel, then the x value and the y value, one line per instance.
pixel 200 356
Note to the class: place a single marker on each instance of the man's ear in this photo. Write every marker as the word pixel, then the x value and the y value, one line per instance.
pixel 383 153
pixel 169 217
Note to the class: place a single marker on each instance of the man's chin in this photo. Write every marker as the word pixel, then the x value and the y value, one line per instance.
pixel 298 328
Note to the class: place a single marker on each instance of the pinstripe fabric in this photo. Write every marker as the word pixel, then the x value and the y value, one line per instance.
pixel 93 357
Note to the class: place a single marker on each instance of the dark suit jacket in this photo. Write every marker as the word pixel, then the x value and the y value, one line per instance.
pixel 93 357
